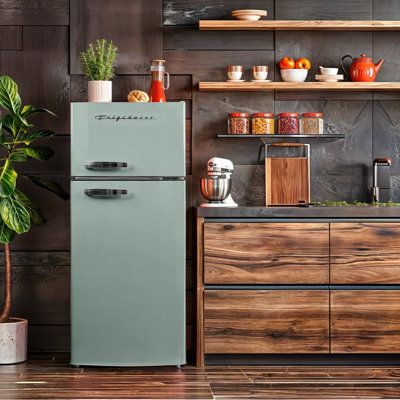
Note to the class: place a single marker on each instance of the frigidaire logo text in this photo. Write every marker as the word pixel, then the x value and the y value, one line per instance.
pixel 117 118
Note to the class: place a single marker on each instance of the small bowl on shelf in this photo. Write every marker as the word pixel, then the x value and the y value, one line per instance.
pixel 294 75
pixel 329 71
pixel 249 15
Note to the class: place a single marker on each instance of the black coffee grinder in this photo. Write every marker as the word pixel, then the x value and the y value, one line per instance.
pixel 381 180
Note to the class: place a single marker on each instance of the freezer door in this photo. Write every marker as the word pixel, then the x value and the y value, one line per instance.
pixel 128 139
pixel 128 273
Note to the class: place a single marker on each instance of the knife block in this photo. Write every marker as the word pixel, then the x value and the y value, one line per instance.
pixel 287 179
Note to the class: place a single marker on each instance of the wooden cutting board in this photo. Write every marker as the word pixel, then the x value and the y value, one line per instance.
pixel 287 181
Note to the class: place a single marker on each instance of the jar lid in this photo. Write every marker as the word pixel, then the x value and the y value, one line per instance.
pixel 265 115
pixel 238 114
pixel 289 115
pixel 313 115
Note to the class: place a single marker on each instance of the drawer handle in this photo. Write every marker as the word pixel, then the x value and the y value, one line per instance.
pixel 106 165
pixel 106 193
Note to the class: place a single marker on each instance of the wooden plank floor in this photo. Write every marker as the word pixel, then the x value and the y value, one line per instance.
pixel 50 377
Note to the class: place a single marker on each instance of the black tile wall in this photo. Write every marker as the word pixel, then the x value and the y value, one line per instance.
pixel 324 9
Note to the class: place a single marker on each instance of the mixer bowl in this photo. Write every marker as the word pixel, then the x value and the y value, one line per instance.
pixel 215 188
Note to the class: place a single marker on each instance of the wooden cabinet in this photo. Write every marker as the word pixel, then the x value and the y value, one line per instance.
pixel 266 253
pixel 242 307
pixel 365 253
pixel 266 321
pixel 365 321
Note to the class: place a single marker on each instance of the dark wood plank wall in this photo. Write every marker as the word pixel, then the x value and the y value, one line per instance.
pixel 39 46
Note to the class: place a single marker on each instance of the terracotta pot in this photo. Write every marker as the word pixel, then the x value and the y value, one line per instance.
pixel 100 91
pixel 13 341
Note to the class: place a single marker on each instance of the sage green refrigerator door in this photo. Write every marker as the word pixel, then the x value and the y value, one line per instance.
pixel 128 139
pixel 128 273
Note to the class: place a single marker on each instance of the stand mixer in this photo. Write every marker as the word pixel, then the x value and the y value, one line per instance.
pixel 216 187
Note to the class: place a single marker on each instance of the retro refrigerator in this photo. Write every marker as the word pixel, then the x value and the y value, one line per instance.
pixel 128 234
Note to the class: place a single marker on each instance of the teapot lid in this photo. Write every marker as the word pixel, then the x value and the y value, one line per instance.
pixel 363 58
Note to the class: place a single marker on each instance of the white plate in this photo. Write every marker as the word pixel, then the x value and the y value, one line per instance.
pixel 235 80
pixel 262 13
pixel 329 80
pixel 261 80
pixel 335 77
pixel 248 17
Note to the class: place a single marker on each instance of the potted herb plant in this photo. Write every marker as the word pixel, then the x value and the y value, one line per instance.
pixel 17 212
pixel 97 64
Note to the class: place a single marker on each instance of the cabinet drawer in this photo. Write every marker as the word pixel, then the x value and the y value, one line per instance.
pixel 365 321
pixel 266 321
pixel 266 253
pixel 365 253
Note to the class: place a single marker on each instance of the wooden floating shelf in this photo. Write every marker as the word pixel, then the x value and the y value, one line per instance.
pixel 295 25
pixel 323 136
pixel 299 86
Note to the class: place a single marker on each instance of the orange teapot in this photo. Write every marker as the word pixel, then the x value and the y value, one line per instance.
pixel 362 69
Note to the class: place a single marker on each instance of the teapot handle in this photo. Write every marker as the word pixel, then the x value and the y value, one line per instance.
pixel 343 68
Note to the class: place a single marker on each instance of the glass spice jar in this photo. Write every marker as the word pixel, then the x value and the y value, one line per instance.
pixel 262 124
pixel 312 123
pixel 288 123
pixel 238 123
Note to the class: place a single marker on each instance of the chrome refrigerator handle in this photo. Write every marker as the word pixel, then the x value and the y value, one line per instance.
pixel 106 193
pixel 106 165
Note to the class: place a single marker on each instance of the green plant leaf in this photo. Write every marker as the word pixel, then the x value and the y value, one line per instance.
pixel 6 234
pixel 9 97
pixel 31 136
pixel 34 212
pixel 14 123
pixel 31 110
pixel 8 179
pixel 19 156
pixel 51 186
pixel 15 215
pixel 37 152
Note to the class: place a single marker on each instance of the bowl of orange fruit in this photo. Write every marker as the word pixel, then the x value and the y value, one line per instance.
pixel 294 70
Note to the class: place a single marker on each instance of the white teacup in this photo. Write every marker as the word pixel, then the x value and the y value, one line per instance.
pixel 234 72
pixel 260 72
pixel 235 75
pixel 260 75
pixel 329 71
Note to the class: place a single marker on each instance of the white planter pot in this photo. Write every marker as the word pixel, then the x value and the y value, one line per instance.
pixel 13 341
pixel 100 91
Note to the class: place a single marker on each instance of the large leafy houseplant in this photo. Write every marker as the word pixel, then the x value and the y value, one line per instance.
pixel 17 143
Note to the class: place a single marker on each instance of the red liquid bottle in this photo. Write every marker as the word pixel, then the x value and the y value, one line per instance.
pixel 158 86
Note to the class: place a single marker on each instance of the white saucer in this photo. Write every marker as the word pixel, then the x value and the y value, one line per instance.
pixel 261 80
pixel 329 78
pixel 235 80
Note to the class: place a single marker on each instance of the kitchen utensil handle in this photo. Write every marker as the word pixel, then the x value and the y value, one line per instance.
pixel 343 68
pixel 106 165
pixel 287 144
pixel 106 193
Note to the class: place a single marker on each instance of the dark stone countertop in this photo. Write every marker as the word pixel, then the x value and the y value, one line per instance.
pixel 349 212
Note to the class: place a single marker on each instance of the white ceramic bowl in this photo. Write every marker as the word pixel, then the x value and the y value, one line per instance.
pixel 294 75
pixel 329 71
